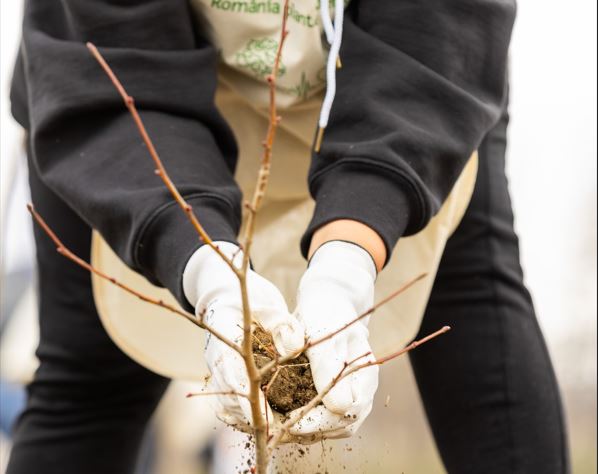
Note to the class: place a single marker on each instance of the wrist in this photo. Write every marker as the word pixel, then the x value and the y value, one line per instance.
pixel 344 261
pixel 353 232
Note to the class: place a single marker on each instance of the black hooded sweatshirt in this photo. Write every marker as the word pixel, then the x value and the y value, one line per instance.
pixel 422 82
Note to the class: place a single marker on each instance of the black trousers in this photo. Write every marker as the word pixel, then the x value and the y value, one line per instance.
pixel 488 386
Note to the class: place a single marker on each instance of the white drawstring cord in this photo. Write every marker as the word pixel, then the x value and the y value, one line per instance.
pixel 336 32
pixel 326 21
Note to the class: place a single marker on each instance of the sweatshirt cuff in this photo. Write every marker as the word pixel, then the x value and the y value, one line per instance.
pixel 359 192
pixel 168 240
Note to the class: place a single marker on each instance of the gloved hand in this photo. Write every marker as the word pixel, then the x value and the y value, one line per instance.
pixel 214 290
pixel 337 287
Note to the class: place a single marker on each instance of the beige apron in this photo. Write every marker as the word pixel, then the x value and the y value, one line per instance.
pixel 172 346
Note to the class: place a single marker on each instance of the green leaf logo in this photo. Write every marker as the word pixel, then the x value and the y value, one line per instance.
pixel 258 56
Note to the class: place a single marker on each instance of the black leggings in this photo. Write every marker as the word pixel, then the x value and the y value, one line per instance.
pixel 488 386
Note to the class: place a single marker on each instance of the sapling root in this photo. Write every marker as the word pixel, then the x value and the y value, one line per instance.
pixel 290 385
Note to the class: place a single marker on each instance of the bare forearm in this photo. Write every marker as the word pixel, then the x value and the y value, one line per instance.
pixel 351 231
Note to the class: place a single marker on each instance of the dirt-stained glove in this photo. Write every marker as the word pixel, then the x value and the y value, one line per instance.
pixel 213 289
pixel 337 287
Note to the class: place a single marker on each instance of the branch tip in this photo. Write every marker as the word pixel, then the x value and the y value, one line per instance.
pixel 129 102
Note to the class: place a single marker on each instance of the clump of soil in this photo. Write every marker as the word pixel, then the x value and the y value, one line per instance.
pixel 293 386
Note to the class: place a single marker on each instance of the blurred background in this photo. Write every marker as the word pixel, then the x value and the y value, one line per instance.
pixel 552 153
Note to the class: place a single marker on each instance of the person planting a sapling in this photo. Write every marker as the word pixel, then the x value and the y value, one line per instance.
pixel 388 164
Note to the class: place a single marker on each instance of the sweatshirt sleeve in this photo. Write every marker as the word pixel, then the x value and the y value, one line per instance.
pixel 421 83
pixel 85 145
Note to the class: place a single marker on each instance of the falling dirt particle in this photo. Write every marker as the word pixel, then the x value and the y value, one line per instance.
pixel 387 401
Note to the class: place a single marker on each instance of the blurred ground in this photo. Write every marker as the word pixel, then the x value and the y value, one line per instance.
pixel 552 168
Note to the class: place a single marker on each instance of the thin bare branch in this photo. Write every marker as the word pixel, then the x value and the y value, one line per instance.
pixel 266 390
pixel 160 170
pixel 400 352
pixel 365 314
pixel 268 143
pixel 232 393
pixel 65 252
pixel 346 371
pixel 270 365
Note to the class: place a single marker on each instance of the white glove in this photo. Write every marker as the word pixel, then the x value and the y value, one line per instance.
pixel 337 287
pixel 213 289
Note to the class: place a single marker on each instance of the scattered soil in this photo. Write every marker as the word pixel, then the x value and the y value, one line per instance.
pixel 293 386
